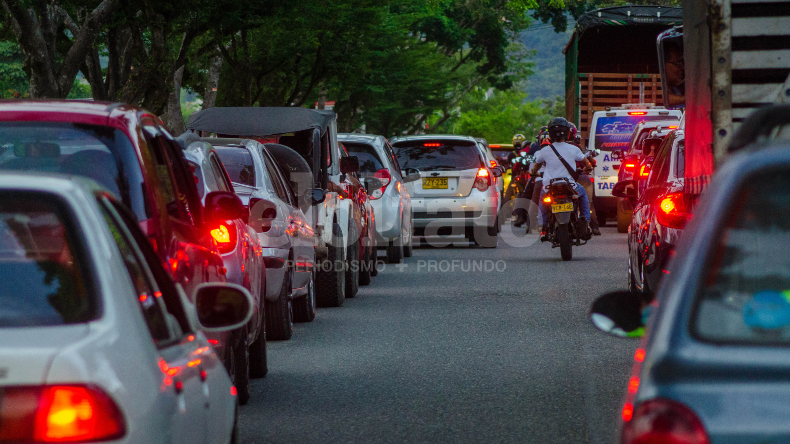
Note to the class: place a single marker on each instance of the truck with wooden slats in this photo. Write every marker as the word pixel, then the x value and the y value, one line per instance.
pixel 612 69
pixel 737 58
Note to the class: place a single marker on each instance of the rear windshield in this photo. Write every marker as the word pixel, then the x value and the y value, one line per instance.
pixel 615 132
pixel 238 162
pixel 42 282
pixel 746 295
pixel 101 153
pixel 437 155
pixel 369 161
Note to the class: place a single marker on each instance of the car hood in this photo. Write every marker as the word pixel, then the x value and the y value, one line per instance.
pixel 27 353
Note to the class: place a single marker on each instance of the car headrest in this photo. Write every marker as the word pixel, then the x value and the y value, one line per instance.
pixel 37 149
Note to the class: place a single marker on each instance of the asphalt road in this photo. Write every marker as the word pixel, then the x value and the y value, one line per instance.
pixel 431 354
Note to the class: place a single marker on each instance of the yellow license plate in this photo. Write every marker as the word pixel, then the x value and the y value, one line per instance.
pixel 434 183
pixel 562 208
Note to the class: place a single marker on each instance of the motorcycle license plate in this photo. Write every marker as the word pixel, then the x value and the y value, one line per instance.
pixel 562 208
pixel 434 183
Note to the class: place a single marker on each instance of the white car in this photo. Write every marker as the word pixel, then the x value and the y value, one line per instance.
pixel 456 193
pixel 391 203
pixel 98 343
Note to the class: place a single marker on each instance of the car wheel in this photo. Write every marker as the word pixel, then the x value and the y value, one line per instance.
pixel 279 314
pixel 374 263
pixel 304 307
pixel 395 251
pixel 352 263
pixel 259 364
pixel 330 277
pixel 241 368
pixel 623 220
pixel 364 268
pixel 234 432
pixel 408 250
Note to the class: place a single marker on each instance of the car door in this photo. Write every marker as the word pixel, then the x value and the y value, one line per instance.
pixel 183 394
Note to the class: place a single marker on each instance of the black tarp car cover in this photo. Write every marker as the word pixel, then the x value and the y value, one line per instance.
pixel 259 121
pixel 629 15
pixel 295 168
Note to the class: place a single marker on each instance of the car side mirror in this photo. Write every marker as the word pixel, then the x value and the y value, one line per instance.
pixel 222 307
pixel 625 188
pixel 410 175
pixel 349 165
pixel 372 184
pixel 315 196
pixel 496 172
pixel 619 314
pixel 223 205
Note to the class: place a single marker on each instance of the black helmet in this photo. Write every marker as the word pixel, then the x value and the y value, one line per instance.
pixel 559 128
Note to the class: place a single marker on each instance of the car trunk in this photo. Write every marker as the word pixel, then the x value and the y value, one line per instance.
pixel 26 353
pixel 444 183
pixel 448 167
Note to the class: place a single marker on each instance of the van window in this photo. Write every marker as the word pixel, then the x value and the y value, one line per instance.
pixel 614 132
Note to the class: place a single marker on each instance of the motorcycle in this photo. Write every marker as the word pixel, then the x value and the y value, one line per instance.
pixel 519 178
pixel 565 226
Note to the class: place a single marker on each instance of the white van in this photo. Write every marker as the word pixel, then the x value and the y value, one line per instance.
pixel 611 131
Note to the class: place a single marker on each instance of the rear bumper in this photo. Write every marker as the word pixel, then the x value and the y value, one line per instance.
pixel 431 214
pixel 605 203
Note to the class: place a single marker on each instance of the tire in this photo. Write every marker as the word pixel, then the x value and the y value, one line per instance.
pixel 279 314
pixel 234 433
pixel 408 250
pixel 623 220
pixel 330 279
pixel 374 263
pixel 488 240
pixel 259 364
pixel 241 368
pixel 304 307
pixel 352 263
pixel 395 251
pixel 364 268
pixel 564 238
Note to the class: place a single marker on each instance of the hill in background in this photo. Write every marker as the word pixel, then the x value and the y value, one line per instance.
pixel 548 80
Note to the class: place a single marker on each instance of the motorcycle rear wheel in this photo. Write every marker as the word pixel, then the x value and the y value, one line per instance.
pixel 564 238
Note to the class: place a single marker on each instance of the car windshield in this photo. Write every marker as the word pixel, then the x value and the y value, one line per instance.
pixel 101 153
pixel 428 155
pixel 37 249
pixel 746 296
pixel 238 162
pixel 369 161
pixel 614 132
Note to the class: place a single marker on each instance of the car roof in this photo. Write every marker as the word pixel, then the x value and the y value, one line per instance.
pixel 434 137
pixel 360 138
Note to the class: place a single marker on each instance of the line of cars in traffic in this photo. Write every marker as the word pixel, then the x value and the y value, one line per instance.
pixel 143 274
pixel 707 368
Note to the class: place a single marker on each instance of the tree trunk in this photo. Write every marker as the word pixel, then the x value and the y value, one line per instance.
pixel 212 81
pixel 173 119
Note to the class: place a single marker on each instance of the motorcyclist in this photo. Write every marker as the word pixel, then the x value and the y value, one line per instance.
pixel 531 192
pixel 559 131
pixel 516 181
pixel 585 180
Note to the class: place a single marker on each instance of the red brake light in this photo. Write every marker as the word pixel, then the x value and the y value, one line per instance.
pixel 630 166
pixel 225 237
pixel 495 146
pixel 483 179
pixel 637 113
pixel 673 127
pixel 672 211
pixel 644 171
pixel 431 144
pixel 59 414
pixel 663 421
pixel 385 177
pixel 493 163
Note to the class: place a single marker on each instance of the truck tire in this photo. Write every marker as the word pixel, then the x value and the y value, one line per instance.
pixel 279 314
pixel 259 364
pixel 623 220
pixel 304 307
pixel 564 237
pixel 395 251
pixel 330 279
pixel 352 263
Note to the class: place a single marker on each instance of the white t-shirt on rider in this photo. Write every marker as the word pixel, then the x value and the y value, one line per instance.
pixel 555 168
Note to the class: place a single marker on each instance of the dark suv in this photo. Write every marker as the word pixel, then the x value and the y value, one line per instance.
pixel 128 151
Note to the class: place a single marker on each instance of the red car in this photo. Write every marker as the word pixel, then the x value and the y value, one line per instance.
pixel 128 151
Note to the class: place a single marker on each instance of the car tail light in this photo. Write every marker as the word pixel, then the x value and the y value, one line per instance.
pixel 63 413
pixel 225 237
pixel 644 171
pixel 663 421
pixel 385 177
pixel 483 179
pixel 672 211
pixel 493 163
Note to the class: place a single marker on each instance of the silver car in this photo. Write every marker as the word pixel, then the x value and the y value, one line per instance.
pixel 455 194
pixel 283 230
pixel 98 342
pixel 391 203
